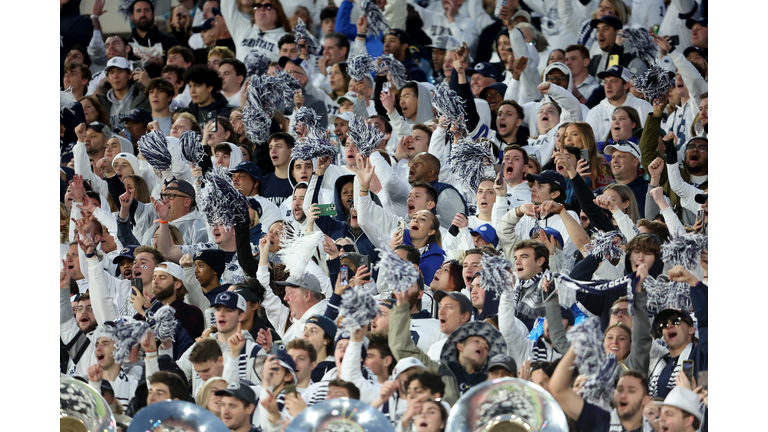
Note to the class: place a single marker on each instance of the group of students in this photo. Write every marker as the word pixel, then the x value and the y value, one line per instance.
pixel 351 243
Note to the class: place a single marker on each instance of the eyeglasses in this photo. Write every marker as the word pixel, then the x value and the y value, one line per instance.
pixel 556 78
pixel 170 196
pixel 617 311
pixel 82 308
pixel 675 323
pixel 295 72
pixel 266 6
pixel 701 148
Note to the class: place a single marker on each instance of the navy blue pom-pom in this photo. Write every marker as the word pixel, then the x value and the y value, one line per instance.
pixel 654 83
pixel 154 147
pixel 365 137
pixel 377 24
pixel 470 162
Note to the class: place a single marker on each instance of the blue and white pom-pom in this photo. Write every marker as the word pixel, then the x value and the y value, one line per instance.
pixel 470 162
pixel 125 9
pixel 359 66
pixel 311 147
pixel 220 201
pixel 591 360
pixel 664 294
pixel 377 24
pixel 495 274
pixel 128 334
pixel 256 63
pixel 255 120
pixel 358 307
pixel 264 92
pixel 154 147
pixel 654 83
pixel 395 272
pixel 449 104
pixel 67 101
pixel 365 137
pixel 300 32
pixel 388 64
pixel 307 116
pixel 640 44
pixel 602 245
pixel 191 147
pixel 684 250
pixel 163 323
pixel 296 250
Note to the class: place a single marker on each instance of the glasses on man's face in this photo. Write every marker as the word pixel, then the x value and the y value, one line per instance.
pixel 84 308
pixel 266 6
pixel 170 196
pixel 295 73
pixel 617 311
pixel 701 148
pixel 557 78
pixel 674 321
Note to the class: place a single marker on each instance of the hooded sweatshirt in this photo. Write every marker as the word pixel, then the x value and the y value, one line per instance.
pixel 403 126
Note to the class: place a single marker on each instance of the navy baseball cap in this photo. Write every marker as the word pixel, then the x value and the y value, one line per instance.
pixel 213 258
pixel 504 361
pixel 691 49
pixel 690 22
pixel 701 198
pixel 616 71
pixel 324 323
pixel 248 167
pixel 548 176
pixel 485 69
pixel 418 51
pixel 138 115
pixel 487 233
pixel 239 390
pixel 566 313
pixel 400 34
pixel 100 128
pixel 464 302
pixel 608 19
pixel 182 186
pixel 255 205
pixel 498 86
pixel 666 314
pixel 126 252
pixel 230 300
pixel 206 25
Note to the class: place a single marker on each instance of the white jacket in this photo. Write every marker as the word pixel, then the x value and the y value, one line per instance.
pixel 682 118
pixel 600 116
pixel 192 225
pixel 351 371
pixel 674 25
pixel 463 27
pixel 247 36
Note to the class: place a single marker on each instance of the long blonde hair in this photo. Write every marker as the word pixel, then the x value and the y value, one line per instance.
pixel 626 194
pixel 64 215
pixel 621 11
pixel 205 391
pixel 587 137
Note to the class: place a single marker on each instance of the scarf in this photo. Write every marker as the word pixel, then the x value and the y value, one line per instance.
pixel 529 299
pixel 627 283
pixel 661 365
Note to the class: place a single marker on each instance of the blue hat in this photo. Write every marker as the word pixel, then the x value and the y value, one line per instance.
pixel 487 233
pixel 248 167
pixel 498 86
pixel 664 315
pixel 566 313
pixel 419 52
pixel 230 300
pixel 324 323
pixel 691 49
pixel 616 71
pixel 126 252
pixel 485 69
pixel 404 37
pixel 100 128
pixel 553 232
pixel 286 361
pixel 548 176
pixel 214 258
pixel 255 205
pixel 138 115
pixel 690 22
pixel 206 25
pixel 608 19
pixel 346 335
pixel 239 390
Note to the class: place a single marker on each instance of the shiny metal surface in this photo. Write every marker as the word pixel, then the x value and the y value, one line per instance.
pixel 507 404
pixel 82 408
pixel 176 416
pixel 341 415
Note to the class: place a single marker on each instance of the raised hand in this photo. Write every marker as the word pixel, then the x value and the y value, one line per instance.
pixel 125 203
pixel 330 248
pixel 161 209
pixel 544 87
pixel 460 221
pixel 148 343
pixel 86 244
pixel 98 8
pixel 95 373
pixel 397 239
pixel 364 171
pixel 362 275
pixel 518 66
pixel 264 339
pixel 655 169
pixel 362 24
pixel 78 190
pixel 236 342
pixel 678 273
pixel 298 99
pixel 186 261
pixel 80 132
pixel 64 276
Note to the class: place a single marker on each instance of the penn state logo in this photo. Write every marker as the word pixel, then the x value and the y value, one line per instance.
pixel 483 228
pixel 199 253
pixel 479 67
pixel 125 251
pixel 224 296
pixel 234 386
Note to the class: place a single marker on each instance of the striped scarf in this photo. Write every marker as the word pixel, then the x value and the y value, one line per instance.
pixel 543 351
pixel 529 299
pixel 658 369
pixel 626 283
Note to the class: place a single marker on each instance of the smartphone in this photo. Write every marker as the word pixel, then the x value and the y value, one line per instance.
pixel 327 209
pixel 401 225
pixel 655 29
pixel 703 380
pixel 386 87
pixel 454 230
pixel 688 370
pixel 584 154
pixel 700 216
pixel 501 177
pixel 290 388
pixel 138 284
pixel 613 60
pixel 344 275
pixel 365 261
pixel 212 118
pixel 137 66
pixel 674 40
pixel 275 349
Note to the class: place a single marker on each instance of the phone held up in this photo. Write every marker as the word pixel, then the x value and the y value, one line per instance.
pixel 213 119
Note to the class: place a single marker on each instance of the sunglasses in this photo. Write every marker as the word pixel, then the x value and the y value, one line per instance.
pixel 675 323
pixel 617 311
pixel 266 6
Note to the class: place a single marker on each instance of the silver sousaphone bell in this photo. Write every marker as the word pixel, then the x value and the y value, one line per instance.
pixel 82 408
pixel 176 416
pixel 506 405
pixel 341 415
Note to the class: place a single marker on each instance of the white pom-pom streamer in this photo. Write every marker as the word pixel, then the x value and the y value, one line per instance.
pixel 397 273
pixel 358 307
pixel 365 137
pixel 128 334
pixel 470 162
pixel 163 323
pixel 377 24
pixel 388 64
pixel 154 147
pixel 591 359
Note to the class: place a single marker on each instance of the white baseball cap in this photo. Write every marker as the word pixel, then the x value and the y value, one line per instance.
pixel 118 62
pixel 405 364
pixel 172 269
pixel 685 400
pixel 624 146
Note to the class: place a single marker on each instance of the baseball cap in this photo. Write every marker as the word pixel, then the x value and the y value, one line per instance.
pixel 247 294
pixel 350 96
pixel 608 19
pixel 230 300
pixel 118 62
pixel 498 86
pixel 623 146
pixel 184 187
pixel 239 390
pixel 617 71
pixel 297 61
pixel 487 233
pixel 138 115
pixel 172 269
pixel 521 13
pixel 419 52
pixel 306 281
pixel 701 198
pixel 100 128
pixel 548 176
pixel 504 361
pixel 444 42
pixel 324 323
pixel 485 69
pixel 346 116
pixel 553 232
pixel 206 25
pixel 684 399
pixel 255 205
pixel 691 49
pixel 405 364
pixel 248 167
pixel 690 22
pixel 664 315
pixel 402 35
pixel 213 258
pixel 466 304
pixel 126 252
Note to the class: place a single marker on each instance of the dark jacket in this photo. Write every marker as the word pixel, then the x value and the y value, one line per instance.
pixel 430 261
pixel 624 59
pixel 153 37
pixel 219 104
pixel 139 100
pixel 413 72
pixel 74 29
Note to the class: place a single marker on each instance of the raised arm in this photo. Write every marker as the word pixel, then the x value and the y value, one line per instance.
pixel 164 242
pixel 560 386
